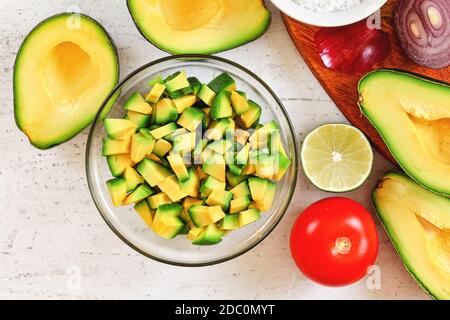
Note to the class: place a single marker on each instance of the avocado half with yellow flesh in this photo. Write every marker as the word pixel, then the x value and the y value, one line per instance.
pixel 418 223
pixel 200 26
pixel 64 70
pixel 412 115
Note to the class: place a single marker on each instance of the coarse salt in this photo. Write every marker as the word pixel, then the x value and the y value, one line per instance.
pixel 328 5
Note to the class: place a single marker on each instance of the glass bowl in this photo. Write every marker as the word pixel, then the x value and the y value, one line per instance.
pixel 127 225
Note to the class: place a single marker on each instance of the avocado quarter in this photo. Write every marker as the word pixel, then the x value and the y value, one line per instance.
pixel 64 70
pixel 412 115
pixel 201 26
pixel 418 223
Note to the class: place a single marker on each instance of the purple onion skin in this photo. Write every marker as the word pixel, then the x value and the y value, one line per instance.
pixel 423 27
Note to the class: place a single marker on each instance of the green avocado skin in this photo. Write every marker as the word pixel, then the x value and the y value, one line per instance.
pixel 213 50
pixel 108 104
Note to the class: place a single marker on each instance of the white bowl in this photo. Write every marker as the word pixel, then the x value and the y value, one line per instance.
pixel 329 19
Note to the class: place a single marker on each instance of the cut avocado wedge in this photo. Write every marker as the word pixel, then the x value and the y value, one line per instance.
pixel 418 223
pixel 412 115
pixel 200 26
pixel 64 70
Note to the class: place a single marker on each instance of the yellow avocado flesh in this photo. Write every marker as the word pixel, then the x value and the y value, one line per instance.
pixel 64 70
pixel 418 223
pixel 413 117
pixel 200 26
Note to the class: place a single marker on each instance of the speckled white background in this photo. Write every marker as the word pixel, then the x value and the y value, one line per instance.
pixel 54 244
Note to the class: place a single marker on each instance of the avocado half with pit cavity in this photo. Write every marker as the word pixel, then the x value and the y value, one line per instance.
pixel 412 115
pixel 200 26
pixel 64 70
pixel 418 223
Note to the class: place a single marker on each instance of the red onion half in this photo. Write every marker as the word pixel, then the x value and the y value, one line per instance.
pixel 423 27
pixel 352 49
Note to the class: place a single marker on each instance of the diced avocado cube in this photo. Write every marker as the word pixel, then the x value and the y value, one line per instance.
pixel 235 170
pixel 142 192
pixel 220 146
pixel 241 136
pixel 192 185
pixel 175 94
pixel 234 180
pixel 207 119
pixel 242 93
pixel 201 174
pixel 249 169
pixel 165 112
pixel 243 155
pixel 220 198
pixel 164 130
pixel 283 165
pixel 230 222
pixel 176 133
pixel 120 129
pixel 139 119
pixel 177 82
pixel 167 226
pixel 118 190
pixel 133 178
pixel 153 172
pixel 141 146
pixel 158 200
pixel 202 216
pixel 178 166
pixel 118 163
pixel 194 233
pixel 250 117
pixel 263 192
pixel 240 190
pixel 222 82
pixel 221 107
pixel 198 151
pixel 206 95
pixel 260 138
pixel 156 93
pixel 215 166
pixel 187 204
pixel 184 102
pixel 248 216
pixel 145 212
pixel 275 145
pixel 239 103
pixel 218 128
pixel 162 147
pixel 170 209
pixel 195 84
pixel 266 166
pixel 191 119
pixel 114 147
pixel 239 204
pixel 156 79
pixel 212 235
pixel 138 104
pixel 211 184
pixel 184 143
pixel 172 189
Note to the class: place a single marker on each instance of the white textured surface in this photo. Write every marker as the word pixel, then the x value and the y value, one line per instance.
pixel 50 230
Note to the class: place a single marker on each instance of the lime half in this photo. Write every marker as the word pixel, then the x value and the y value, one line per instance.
pixel 337 157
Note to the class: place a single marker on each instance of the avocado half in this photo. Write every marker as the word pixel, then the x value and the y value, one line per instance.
pixel 64 70
pixel 418 223
pixel 200 26
pixel 412 115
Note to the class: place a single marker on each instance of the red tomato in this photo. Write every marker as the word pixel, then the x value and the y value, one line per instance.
pixel 334 241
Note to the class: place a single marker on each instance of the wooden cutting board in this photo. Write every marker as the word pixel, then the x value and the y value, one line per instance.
pixel 343 88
